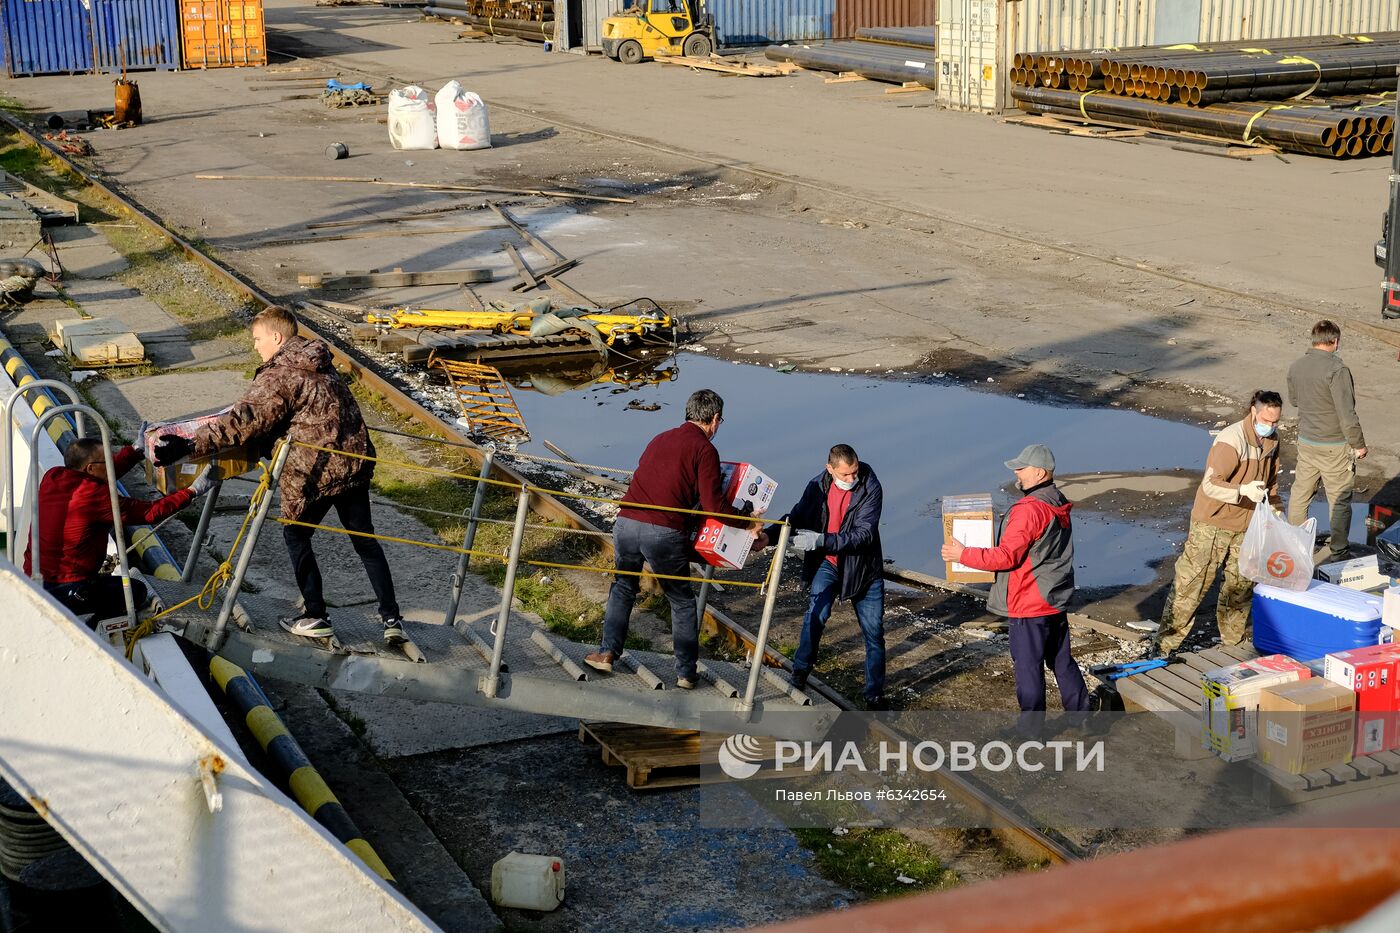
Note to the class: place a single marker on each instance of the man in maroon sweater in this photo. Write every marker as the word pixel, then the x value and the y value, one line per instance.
pixel 678 470
pixel 75 520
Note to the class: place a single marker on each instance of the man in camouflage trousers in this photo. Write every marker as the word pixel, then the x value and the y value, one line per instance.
pixel 1241 473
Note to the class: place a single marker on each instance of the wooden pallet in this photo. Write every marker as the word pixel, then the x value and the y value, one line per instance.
pixel 1376 776
pixel 657 758
pixel 730 66
pixel 1174 693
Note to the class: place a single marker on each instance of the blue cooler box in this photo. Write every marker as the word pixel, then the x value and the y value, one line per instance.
pixel 1310 623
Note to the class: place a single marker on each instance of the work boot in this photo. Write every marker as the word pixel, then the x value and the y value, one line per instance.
pixel 308 626
pixel 601 661
pixel 799 679
pixel 393 631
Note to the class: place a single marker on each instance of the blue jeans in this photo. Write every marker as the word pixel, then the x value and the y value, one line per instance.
pixel 668 552
pixel 870 613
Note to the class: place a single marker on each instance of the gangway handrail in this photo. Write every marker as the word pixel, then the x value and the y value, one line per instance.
pixel 36 571
pixel 6 450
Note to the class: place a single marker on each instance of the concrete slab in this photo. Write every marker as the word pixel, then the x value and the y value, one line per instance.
pixel 399 728
pixel 166 396
pixel 86 254
pixel 108 298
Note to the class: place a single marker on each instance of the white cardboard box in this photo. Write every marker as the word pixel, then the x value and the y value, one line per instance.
pixel 1359 573
pixel 746 483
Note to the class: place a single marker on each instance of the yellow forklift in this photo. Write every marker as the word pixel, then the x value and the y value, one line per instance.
pixel 651 28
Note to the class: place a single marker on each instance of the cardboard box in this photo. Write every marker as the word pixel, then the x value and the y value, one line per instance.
pixel 1230 707
pixel 971 521
pixel 1372 673
pixel 745 484
pixel 1306 726
pixel 1359 573
pixel 724 545
pixel 235 461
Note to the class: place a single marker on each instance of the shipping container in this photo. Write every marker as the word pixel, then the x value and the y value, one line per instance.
pixel 855 14
pixel 223 33
pixel 135 35
pixel 977 38
pixel 46 37
pixel 764 22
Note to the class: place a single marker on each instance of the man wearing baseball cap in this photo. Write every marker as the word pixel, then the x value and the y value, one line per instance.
pixel 1034 565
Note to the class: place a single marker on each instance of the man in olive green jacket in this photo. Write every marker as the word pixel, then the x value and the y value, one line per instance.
pixel 1329 434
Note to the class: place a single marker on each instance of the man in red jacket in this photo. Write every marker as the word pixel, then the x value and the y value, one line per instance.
pixel 1034 565
pixel 75 520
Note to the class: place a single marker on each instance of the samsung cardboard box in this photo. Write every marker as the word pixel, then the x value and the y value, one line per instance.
pixel 1230 707
pixel 1307 725
pixel 1359 573
pixel 747 485
pixel 1371 673
pixel 969 520
pixel 234 461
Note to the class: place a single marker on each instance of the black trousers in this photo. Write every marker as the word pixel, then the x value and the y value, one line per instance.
pixel 100 597
pixel 353 509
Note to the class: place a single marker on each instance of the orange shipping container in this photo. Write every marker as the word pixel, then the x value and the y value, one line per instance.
pixel 222 33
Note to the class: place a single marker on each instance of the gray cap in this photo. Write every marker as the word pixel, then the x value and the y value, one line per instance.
pixel 1036 455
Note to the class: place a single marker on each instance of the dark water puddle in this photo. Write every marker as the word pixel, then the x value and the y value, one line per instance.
pixel 924 440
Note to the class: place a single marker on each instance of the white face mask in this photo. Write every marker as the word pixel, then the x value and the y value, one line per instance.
pixel 844 487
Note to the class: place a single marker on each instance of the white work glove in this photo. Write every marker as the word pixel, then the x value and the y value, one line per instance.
pixel 1255 491
pixel 805 541
pixel 139 442
pixel 204 481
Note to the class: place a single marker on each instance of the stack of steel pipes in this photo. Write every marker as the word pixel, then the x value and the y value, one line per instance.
pixel 919 37
pixel 1365 127
pixel 529 19
pixel 878 60
pixel 1265 69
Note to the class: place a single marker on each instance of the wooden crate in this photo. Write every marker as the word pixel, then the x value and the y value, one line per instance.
pixel 1377 777
pixel 656 758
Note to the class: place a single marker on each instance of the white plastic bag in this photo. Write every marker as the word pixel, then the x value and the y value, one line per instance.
pixel 1276 552
pixel 462 122
pixel 411 123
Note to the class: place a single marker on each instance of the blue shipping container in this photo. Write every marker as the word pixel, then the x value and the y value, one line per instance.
pixel 135 35
pixel 762 22
pixel 46 37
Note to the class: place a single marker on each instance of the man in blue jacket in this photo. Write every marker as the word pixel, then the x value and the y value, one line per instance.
pixel 836 524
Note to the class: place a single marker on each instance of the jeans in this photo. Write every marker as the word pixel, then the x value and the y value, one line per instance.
pixel 870 614
pixel 353 509
pixel 1037 643
pixel 101 597
pixel 668 552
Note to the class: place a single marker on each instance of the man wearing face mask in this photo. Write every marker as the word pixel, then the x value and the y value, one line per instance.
pixel 1241 473
pixel 679 470
pixel 1034 565
pixel 836 525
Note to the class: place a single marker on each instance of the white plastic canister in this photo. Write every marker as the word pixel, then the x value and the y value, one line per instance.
pixel 531 882
pixel 411 123
pixel 462 122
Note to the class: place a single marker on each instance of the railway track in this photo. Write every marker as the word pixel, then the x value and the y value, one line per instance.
pixel 1012 829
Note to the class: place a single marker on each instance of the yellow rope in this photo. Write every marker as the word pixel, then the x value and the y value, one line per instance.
pixel 217 580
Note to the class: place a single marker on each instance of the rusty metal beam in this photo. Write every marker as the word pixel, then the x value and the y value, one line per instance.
pixel 1308 874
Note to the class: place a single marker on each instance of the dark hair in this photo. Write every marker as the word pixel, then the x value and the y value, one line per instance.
pixel 842 453
pixel 82 452
pixel 703 406
pixel 1265 398
pixel 1325 331
pixel 278 320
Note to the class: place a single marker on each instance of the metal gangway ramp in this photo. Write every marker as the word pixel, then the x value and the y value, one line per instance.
pixel 483 656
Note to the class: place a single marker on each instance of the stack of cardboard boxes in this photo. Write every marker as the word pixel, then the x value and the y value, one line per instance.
pixel 748 489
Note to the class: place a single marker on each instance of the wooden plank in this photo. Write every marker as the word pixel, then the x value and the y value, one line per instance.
pixel 527 277
pixel 369 235
pixel 550 253
pixel 1197 663
pixel 1241 652
pixel 1142 696
pixel 393 279
pixel 556 269
pixel 1188 692
pixel 908 87
pixel 1218 657
pixel 1390 760
pixel 845 77
pixel 1343 773
pixel 577 297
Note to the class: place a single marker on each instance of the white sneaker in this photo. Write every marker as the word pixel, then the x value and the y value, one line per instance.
pixel 308 626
